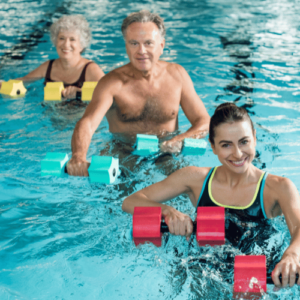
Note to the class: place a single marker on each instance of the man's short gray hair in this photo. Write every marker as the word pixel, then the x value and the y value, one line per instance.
pixel 144 16
pixel 72 23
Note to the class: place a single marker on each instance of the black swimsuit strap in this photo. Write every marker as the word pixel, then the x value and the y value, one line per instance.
pixel 48 72
pixel 77 83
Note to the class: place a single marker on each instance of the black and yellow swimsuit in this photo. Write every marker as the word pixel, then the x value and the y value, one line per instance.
pixel 254 211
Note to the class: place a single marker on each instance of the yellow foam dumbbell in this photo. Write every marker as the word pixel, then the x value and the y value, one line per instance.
pixel 13 88
pixel 87 90
pixel 52 91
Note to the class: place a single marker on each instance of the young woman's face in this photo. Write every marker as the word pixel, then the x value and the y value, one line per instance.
pixel 235 145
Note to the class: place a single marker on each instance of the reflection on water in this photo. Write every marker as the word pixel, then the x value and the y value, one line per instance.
pixel 67 238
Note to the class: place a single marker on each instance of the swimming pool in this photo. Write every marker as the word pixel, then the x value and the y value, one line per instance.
pixel 64 238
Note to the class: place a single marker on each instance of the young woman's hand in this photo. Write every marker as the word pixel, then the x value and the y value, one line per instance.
pixel 288 267
pixel 178 223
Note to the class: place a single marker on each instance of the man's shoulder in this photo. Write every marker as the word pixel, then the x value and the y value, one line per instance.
pixel 119 75
pixel 173 69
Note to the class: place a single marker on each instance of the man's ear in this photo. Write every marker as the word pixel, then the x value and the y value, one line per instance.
pixel 163 43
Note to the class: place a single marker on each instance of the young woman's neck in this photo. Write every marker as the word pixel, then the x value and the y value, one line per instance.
pixel 234 179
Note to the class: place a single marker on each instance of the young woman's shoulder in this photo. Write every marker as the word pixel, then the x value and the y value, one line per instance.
pixel 191 176
pixel 278 184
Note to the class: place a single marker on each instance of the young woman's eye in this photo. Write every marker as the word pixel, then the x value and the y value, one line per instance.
pixel 244 142
pixel 225 145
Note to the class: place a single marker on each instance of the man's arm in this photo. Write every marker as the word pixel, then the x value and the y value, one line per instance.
pixel 85 128
pixel 289 202
pixel 194 110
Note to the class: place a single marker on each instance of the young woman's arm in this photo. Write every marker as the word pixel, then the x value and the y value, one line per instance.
pixel 178 183
pixel 288 201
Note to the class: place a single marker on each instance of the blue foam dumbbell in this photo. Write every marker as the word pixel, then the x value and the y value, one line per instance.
pixel 103 169
pixel 149 144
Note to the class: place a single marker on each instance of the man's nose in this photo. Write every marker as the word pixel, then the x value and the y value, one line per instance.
pixel 142 49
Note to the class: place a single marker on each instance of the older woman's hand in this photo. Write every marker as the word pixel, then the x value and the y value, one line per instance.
pixel 70 92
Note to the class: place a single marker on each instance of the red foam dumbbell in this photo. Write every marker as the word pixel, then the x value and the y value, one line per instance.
pixel 147 225
pixel 250 276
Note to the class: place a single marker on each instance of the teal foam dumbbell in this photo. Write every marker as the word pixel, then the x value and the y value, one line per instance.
pixel 149 144
pixel 103 169
pixel 193 147
pixel 146 145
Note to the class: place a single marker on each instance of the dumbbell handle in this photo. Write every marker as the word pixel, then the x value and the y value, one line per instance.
pixel 164 227
pixel 270 280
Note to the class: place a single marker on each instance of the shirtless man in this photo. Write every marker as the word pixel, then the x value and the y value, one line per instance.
pixel 141 97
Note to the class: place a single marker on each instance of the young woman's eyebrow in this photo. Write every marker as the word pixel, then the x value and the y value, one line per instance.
pixel 230 142
pixel 227 142
pixel 245 137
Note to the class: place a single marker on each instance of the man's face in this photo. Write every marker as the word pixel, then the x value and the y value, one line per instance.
pixel 144 45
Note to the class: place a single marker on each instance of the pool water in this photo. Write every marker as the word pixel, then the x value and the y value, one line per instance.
pixel 65 238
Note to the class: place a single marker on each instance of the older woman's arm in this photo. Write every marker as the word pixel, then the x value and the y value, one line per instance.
pixel 34 75
pixel 93 73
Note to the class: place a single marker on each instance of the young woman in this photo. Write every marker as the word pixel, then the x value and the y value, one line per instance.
pixel 237 185
pixel 70 35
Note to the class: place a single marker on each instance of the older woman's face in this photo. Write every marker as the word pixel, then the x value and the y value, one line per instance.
pixel 68 44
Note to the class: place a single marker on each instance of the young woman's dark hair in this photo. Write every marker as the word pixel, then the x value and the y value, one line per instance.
pixel 227 113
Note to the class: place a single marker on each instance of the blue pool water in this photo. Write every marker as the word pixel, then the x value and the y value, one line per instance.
pixel 64 238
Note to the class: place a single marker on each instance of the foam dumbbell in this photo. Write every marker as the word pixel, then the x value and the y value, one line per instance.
pixel 52 91
pixel 147 225
pixel 87 90
pixel 13 88
pixel 149 144
pixel 103 169
pixel 250 276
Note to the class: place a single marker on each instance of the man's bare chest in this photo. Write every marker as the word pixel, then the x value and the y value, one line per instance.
pixel 157 105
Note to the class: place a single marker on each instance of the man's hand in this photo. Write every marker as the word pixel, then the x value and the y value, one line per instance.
pixel 70 92
pixel 171 146
pixel 178 223
pixel 288 267
pixel 78 167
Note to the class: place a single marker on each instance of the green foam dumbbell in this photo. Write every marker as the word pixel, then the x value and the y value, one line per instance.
pixel 149 144
pixel 103 169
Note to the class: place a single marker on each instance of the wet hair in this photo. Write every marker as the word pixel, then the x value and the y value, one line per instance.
pixel 227 113
pixel 144 16
pixel 72 23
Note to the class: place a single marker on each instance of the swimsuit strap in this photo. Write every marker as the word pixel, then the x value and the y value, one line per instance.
pixel 82 75
pixel 48 72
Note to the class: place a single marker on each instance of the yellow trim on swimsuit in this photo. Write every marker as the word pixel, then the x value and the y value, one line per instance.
pixel 233 207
